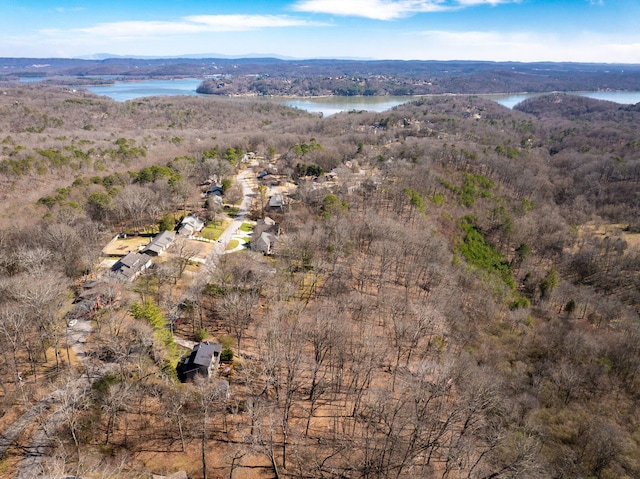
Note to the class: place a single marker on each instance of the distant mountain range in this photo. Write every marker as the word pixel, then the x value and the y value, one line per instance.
pixel 105 56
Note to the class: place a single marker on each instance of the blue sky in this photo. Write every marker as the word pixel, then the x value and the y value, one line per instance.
pixel 500 30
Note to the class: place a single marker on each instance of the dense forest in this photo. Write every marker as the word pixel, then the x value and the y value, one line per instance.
pixel 454 292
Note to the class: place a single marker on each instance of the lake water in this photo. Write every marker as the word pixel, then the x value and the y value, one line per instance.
pixel 123 91
pixel 332 105
pixel 622 97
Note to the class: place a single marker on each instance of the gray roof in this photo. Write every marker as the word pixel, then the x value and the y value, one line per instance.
pixel 194 221
pixel 131 265
pixel 276 201
pixel 262 243
pixel 266 225
pixel 205 352
pixel 160 242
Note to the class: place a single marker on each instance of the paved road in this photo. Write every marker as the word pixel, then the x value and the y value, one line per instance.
pixel 11 433
pixel 207 269
pixel 51 406
pixel 49 409
pixel 76 338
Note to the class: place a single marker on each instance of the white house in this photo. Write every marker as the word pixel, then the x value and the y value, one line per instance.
pixel 190 224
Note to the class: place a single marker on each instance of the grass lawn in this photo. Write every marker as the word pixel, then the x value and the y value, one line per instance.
pixel 213 232
pixel 233 244
pixel 246 227
pixel 232 211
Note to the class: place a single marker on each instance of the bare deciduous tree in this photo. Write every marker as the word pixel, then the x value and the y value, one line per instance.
pixel 210 395
pixel 237 310
pixel 13 325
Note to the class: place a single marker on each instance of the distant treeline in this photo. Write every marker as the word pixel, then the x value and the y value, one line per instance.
pixel 272 76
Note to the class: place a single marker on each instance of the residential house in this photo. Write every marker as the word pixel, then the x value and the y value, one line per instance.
pixel 81 310
pixel 92 297
pixel 131 266
pixel 248 156
pixel 262 243
pixel 159 243
pixel 99 293
pixel 190 224
pixel 268 225
pixel 216 189
pixel 264 234
pixel 203 360
pixel 277 202
pixel 270 180
pixel 214 200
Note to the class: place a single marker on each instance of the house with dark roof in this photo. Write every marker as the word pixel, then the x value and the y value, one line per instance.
pixel 159 243
pixel 216 189
pixel 203 360
pixel 270 180
pixel 131 266
pixel 95 289
pixel 83 309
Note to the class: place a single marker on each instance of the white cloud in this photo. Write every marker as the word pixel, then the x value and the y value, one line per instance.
pixel 69 10
pixel 141 29
pixel 373 9
pixel 484 38
pixel 473 3
pixel 248 22
pixel 388 9
pixel 190 25
pixel 525 47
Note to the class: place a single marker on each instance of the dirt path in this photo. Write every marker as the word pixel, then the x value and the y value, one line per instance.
pixel 76 337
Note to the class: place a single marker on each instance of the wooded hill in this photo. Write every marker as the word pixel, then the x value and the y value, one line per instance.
pixel 460 299
pixel 272 76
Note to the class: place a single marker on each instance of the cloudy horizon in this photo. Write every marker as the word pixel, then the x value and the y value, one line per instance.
pixel 486 30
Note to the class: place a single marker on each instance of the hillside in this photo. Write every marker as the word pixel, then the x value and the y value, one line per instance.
pixel 457 298
pixel 271 76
